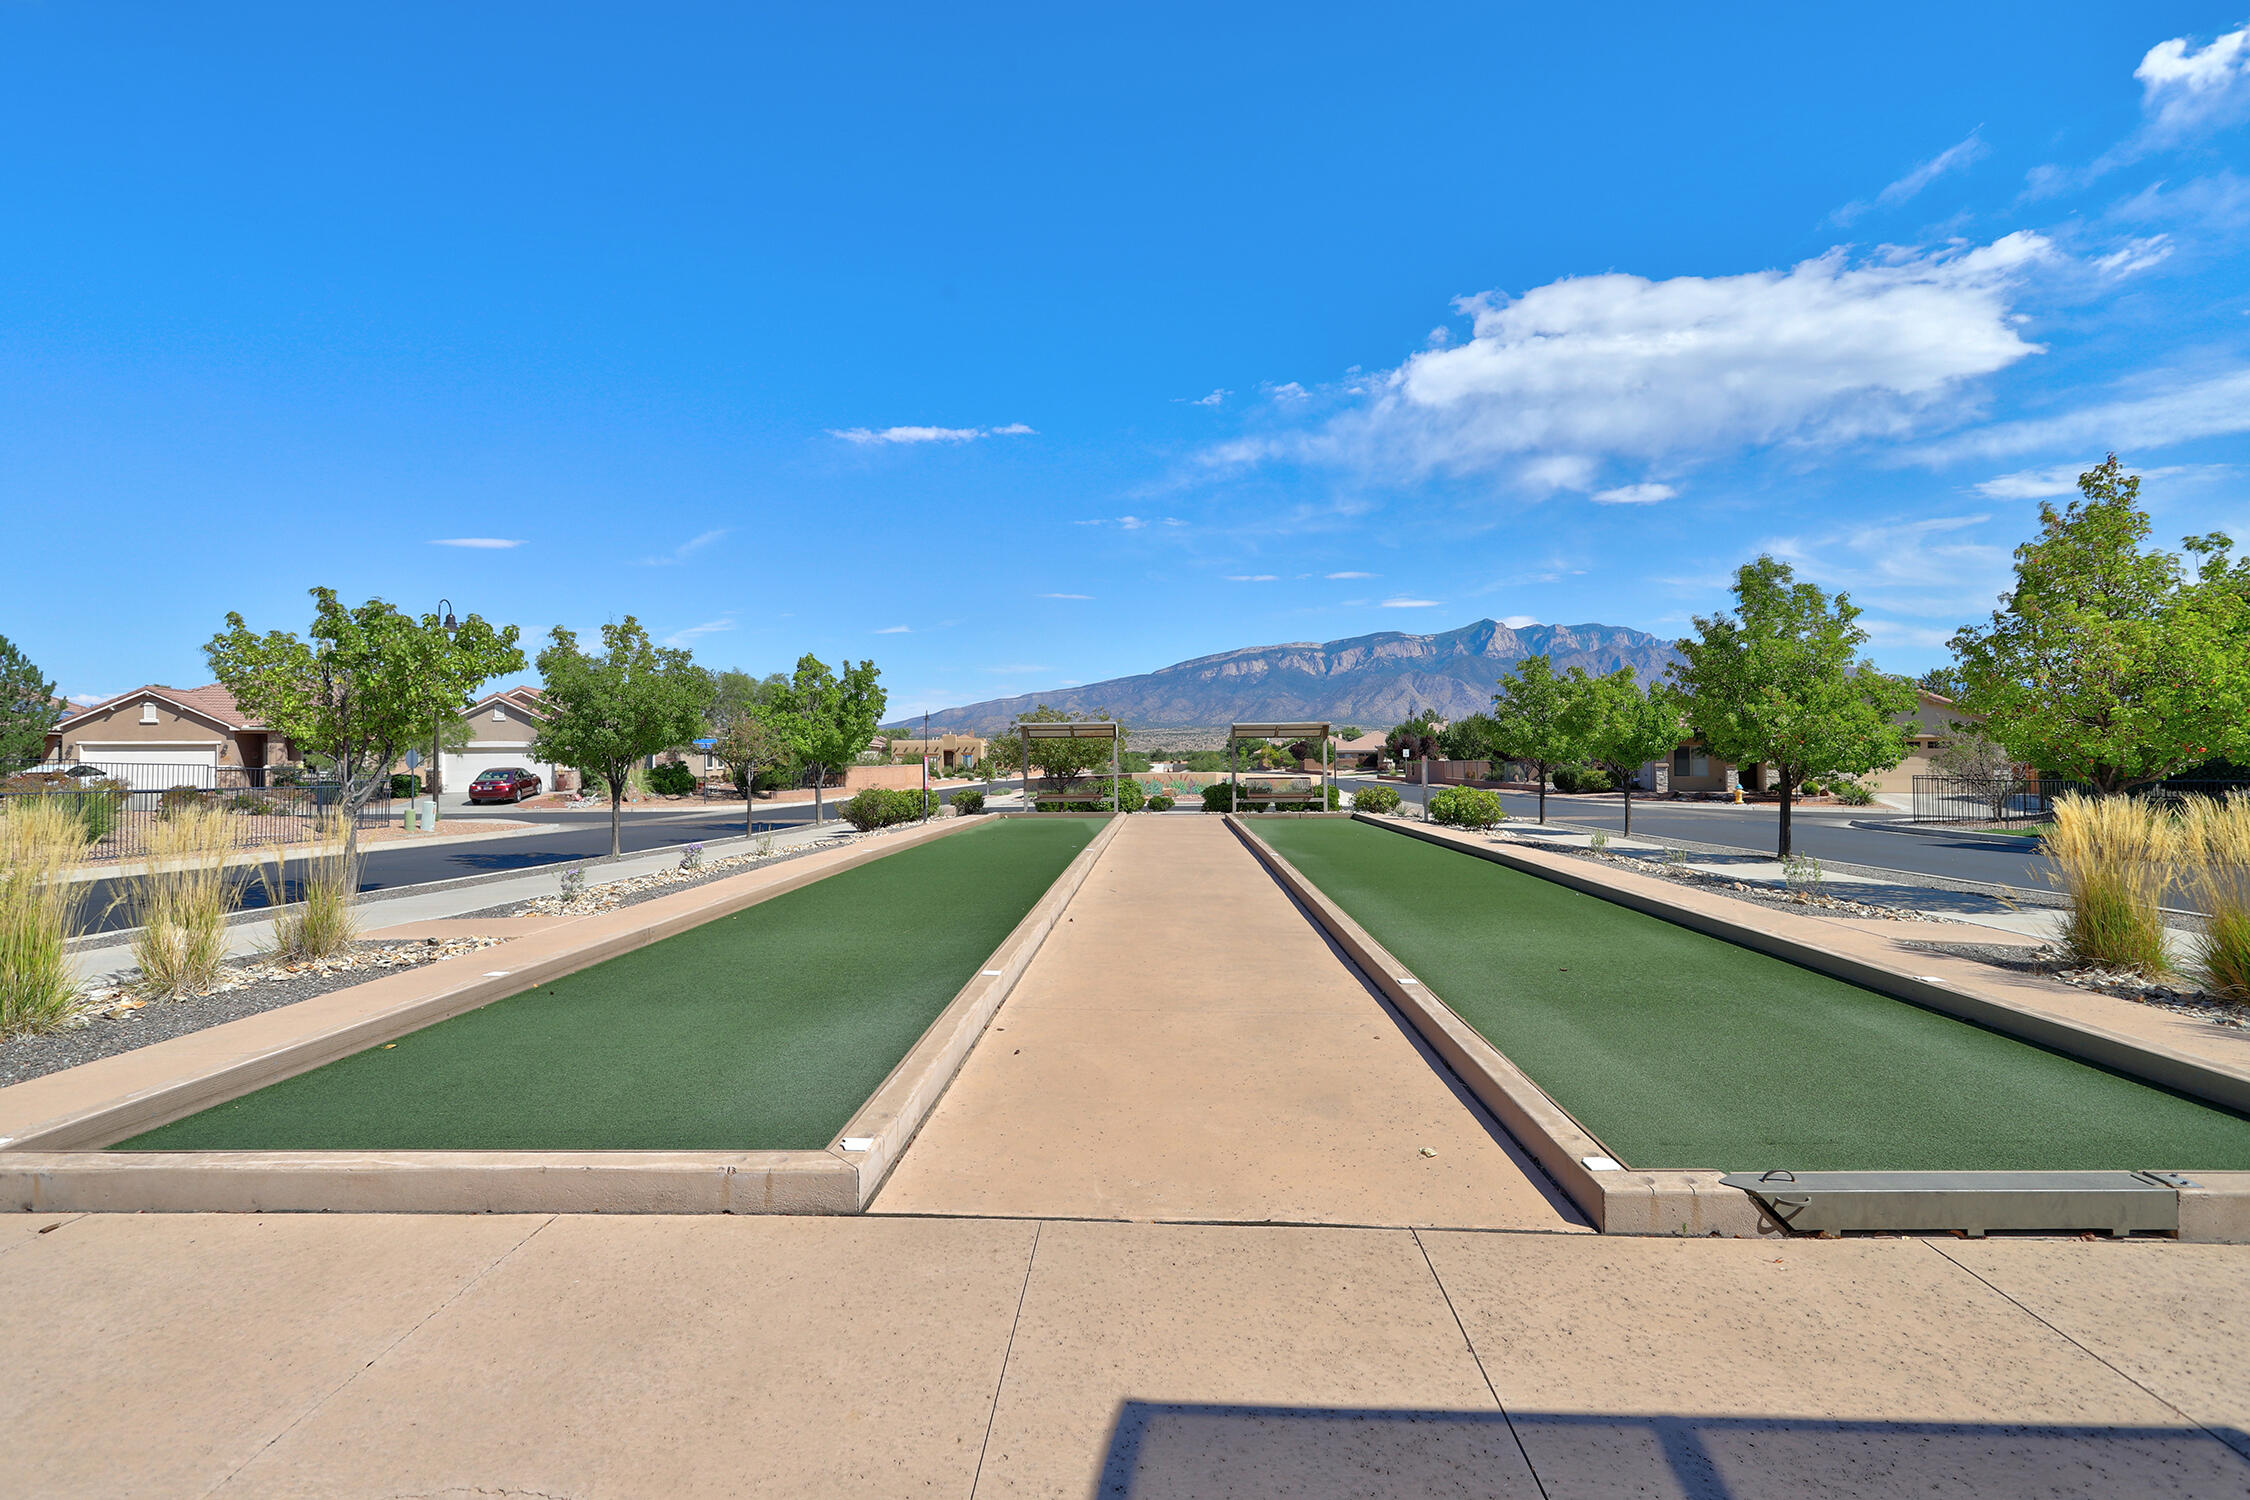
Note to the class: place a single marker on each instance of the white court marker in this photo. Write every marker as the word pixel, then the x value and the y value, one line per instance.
pixel 1410 981
pixel 859 1143
pixel 1930 978
pixel 990 974
pixel 497 973
pixel 1600 1164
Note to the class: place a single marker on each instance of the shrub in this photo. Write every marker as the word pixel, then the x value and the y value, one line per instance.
pixel 178 799
pixel 251 804
pixel 320 924
pixel 1131 795
pixel 2113 860
pixel 868 811
pixel 1376 799
pixel 1218 797
pixel 406 784
pixel 41 845
pixel 93 805
pixel 1466 807
pixel 1582 779
pixel 966 803
pixel 1852 793
pixel 2218 835
pixel 1161 802
pixel 672 779
pixel 181 903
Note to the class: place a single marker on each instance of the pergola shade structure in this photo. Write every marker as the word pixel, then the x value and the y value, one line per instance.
pixel 1305 730
pixel 1075 729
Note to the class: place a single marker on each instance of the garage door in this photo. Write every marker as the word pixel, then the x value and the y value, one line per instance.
pixel 147 769
pixel 460 770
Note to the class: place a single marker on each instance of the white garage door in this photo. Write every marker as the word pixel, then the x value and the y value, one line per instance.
pixel 152 769
pixel 460 770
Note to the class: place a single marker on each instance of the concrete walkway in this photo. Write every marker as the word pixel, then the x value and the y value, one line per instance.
pixel 363 1356
pixel 1188 1045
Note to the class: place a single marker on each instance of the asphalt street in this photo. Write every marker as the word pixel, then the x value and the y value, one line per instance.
pixel 1858 836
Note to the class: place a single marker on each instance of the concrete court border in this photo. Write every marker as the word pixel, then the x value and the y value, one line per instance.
pixel 1693 1201
pixel 53 1164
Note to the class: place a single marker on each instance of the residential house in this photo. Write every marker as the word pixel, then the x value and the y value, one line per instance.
pixel 156 736
pixel 501 727
pixel 1928 730
pixel 950 752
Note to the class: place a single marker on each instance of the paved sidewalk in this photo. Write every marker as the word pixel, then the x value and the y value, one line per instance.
pixel 361 1356
pixel 1187 1045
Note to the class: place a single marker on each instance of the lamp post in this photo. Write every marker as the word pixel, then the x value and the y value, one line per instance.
pixel 437 726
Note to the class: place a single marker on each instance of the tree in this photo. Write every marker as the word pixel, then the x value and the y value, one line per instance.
pixel 745 738
pixel 1468 738
pixel 1348 733
pixel 27 710
pixel 1531 722
pixel 1061 762
pixel 1983 767
pixel 1780 681
pixel 2109 662
pixel 1944 682
pixel 606 713
pixel 828 720
pixel 1621 727
pixel 363 689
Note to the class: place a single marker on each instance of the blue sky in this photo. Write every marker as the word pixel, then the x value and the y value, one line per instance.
pixel 1018 346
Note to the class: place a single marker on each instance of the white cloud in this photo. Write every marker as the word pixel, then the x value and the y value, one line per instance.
pixel 2218 204
pixel 1412 603
pixel 896 630
pixel 1827 352
pixel 1634 494
pixel 1122 523
pixel 1352 575
pixel 1250 578
pixel 87 700
pixel 493 542
pixel 1519 622
pixel 694 633
pixel 1216 398
pixel 2135 255
pixel 1965 152
pixel 2210 407
pixel 2187 90
pixel 1287 391
pixel 2062 479
pixel 685 550
pixel 1066 596
pixel 865 436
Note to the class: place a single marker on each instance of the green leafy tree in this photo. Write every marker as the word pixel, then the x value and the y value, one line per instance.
pixel 1468 738
pixel 2109 661
pixel 746 738
pixel 1781 681
pixel 1622 727
pixel 1348 733
pixel 27 710
pixel 1060 762
pixel 829 719
pixel 1531 721
pixel 362 686
pixel 607 713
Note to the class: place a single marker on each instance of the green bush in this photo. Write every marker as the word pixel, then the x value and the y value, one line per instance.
pixel 965 803
pixel 403 784
pixel 1582 779
pixel 1130 793
pixel 1161 802
pixel 252 804
pixel 881 807
pixel 1376 799
pixel 1466 807
pixel 1218 797
pixel 177 799
pixel 672 779
pixel 1852 793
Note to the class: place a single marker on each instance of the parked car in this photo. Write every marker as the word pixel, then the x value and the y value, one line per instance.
pixel 508 784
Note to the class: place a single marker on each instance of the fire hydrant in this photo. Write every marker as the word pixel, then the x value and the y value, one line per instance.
pixel 1738 796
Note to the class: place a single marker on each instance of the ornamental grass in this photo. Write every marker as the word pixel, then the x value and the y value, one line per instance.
pixel 42 851
pixel 181 902
pixel 321 922
pixel 2114 858
pixel 2217 836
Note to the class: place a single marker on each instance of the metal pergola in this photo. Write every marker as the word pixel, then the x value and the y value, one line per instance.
pixel 1075 729
pixel 1237 733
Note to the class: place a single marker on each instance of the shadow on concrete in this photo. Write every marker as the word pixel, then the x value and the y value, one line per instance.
pixel 1162 1450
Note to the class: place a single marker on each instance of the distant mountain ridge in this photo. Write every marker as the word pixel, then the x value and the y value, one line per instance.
pixel 1370 680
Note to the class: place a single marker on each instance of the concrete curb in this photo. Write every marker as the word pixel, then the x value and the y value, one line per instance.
pixel 1616 1202
pixel 50 1131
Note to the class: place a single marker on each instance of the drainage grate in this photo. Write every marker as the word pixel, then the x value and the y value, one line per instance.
pixel 1973 1202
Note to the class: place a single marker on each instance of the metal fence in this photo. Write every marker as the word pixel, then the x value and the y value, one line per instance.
pixel 119 804
pixel 2008 797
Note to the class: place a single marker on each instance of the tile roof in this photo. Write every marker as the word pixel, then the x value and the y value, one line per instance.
pixel 211 700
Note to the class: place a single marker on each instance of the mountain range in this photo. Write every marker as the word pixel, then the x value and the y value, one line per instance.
pixel 1374 681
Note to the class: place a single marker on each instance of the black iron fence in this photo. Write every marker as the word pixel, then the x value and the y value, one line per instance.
pixel 2009 797
pixel 119 804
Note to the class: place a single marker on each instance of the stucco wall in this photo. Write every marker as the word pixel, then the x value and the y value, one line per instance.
pixel 121 725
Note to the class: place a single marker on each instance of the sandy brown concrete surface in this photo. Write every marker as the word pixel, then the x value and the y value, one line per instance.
pixel 1188 1045
pixel 351 1357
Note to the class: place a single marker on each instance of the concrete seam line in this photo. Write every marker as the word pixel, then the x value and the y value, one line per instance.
pixel 2147 1062
pixel 301 1417
pixel 1000 1382
pixel 1477 1359
pixel 1979 1278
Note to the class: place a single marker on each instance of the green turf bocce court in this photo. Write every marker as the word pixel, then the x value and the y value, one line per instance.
pixel 1680 1050
pixel 763 1030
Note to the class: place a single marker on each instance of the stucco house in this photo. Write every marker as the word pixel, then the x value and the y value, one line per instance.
pixel 501 726
pixel 1928 730
pixel 157 736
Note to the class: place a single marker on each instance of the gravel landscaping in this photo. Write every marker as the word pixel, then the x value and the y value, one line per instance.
pixel 114 1020
pixel 633 890
pixel 2048 962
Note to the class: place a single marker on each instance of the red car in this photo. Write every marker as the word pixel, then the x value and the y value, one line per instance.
pixel 510 784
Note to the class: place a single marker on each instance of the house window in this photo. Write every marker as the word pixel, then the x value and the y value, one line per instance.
pixel 499 716
pixel 1680 761
pixel 148 713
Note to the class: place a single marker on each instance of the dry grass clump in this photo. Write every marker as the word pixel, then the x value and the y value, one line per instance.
pixel 181 903
pixel 42 846
pixel 2217 836
pixel 2113 859
pixel 320 924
